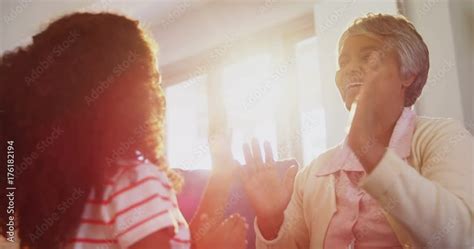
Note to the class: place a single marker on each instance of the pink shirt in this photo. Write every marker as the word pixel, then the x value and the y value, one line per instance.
pixel 359 221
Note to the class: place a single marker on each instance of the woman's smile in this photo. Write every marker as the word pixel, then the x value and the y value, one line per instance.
pixel 351 89
pixel 353 85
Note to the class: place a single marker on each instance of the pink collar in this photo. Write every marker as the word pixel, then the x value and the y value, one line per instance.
pixel 400 141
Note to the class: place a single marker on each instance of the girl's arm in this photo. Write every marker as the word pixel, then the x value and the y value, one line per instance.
pixel 210 212
pixel 158 240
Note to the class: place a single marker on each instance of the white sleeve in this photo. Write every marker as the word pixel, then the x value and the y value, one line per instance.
pixel 143 204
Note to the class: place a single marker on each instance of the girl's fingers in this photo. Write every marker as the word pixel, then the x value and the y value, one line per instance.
pixel 249 161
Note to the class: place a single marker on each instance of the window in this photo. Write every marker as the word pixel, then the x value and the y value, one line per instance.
pixel 187 124
pixel 312 115
pixel 250 99
pixel 269 89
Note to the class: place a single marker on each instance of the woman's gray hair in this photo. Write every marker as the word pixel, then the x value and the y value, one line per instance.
pixel 400 34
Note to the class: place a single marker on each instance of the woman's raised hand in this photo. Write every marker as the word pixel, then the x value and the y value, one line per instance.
pixel 268 194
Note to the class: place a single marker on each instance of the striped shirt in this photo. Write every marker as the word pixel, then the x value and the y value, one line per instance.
pixel 137 202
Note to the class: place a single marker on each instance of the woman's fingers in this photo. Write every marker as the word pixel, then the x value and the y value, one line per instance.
pixel 257 153
pixel 253 155
pixel 268 153
pixel 289 180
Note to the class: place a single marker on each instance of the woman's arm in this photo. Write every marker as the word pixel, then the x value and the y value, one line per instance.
pixel 436 206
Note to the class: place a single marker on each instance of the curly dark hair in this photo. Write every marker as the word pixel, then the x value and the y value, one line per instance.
pixel 84 93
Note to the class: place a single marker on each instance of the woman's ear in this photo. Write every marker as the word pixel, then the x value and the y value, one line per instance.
pixel 408 81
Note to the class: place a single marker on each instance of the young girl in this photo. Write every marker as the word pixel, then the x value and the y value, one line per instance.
pixel 84 117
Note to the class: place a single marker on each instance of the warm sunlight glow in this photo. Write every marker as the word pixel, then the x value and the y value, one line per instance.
pixel 250 96
pixel 312 115
pixel 257 99
pixel 187 125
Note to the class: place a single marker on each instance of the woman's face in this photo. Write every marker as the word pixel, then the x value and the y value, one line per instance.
pixel 361 57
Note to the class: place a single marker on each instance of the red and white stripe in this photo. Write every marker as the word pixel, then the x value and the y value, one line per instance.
pixel 137 202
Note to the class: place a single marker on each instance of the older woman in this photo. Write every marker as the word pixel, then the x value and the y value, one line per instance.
pixel 397 181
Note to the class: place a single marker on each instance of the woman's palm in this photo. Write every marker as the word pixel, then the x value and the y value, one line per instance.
pixel 268 193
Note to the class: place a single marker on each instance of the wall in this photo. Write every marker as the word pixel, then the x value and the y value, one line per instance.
pixel 462 20
pixel 192 31
pixel 23 18
pixel 20 19
pixel 444 95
